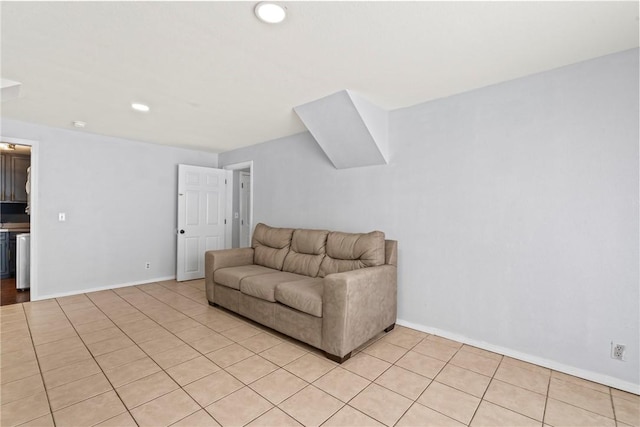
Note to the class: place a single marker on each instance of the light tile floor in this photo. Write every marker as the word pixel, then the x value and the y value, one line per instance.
pixel 159 355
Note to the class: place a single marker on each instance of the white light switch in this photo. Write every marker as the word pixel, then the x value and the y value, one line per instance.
pixel 62 217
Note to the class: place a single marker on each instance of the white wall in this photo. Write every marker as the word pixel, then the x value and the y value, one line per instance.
pixel 120 199
pixel 515 207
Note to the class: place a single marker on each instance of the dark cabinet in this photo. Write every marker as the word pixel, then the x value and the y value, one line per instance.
pixel 9 254
pixel 13 253
pixel 13 177
pixel 4 256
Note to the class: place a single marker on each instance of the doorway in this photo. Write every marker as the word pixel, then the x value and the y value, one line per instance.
pixel 242 204
pixel 18 214
pixel 245 208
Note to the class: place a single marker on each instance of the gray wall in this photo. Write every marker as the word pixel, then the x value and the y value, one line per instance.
pixel 120 199
pixel 515 207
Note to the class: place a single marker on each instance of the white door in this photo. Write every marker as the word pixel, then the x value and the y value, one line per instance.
pixel 245 208
pixel 202 213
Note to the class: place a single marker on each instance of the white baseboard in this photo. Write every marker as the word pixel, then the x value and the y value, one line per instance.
pixel 102 288
pixel 556 366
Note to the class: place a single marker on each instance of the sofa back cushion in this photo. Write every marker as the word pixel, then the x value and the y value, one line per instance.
pixel 350 251
pixel 271 245
pixel 306 252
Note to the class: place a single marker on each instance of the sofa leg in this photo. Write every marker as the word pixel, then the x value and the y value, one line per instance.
pixel 213 304
pixel 338 359
pixel 390 328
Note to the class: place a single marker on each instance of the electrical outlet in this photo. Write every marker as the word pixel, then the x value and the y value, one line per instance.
pixel 617 351
pixel 147 265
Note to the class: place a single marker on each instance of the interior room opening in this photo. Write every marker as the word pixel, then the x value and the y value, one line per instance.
pixel 15 222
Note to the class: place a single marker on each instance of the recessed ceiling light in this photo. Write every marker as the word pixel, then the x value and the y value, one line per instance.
pixel 79 124
pixel 270 13
pixel 140 107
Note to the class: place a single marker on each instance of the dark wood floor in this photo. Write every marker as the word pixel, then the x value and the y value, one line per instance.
pixel 10 295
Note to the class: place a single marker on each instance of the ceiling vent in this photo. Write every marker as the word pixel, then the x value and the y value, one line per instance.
pixel 351 131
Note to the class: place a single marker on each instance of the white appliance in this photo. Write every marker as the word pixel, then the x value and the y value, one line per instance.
pixel 23 264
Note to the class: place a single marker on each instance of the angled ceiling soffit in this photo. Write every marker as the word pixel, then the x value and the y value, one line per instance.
pixel 10 89
pixel 350 130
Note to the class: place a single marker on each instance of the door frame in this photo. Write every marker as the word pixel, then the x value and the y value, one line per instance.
pixel 245 165
pixel 242 208
pixel 34 221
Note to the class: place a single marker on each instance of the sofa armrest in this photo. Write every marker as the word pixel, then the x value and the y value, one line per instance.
pixel 214 260
pixel 357 305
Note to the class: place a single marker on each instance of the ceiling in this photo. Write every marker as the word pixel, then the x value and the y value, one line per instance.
pixel 216 78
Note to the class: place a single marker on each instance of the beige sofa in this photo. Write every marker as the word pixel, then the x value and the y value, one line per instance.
pixel 332 290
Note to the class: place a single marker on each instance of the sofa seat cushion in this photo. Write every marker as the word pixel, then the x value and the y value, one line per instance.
pixel 231 276
pixel 263 286
pixel 303 295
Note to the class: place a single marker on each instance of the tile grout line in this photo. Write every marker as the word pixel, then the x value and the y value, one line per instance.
pixel 546 399
pixel 160 293
pixel 248 385
pixel 221 368
pixel 482 399
pixel 135 344
pixel 433 380
pixel 64 312
pixel 251 323
pixel 177 337
pixel 343 404
pixel 184 342
pixel 183 295
pixel 26 318
pixel 502 360
pixel 167 289
pixel 392 365
pixel 485 390
pixel 580 407
pixel 141 349
pixel 547 396
pixel 513 410
pixel 203 354
pixel 460 348
pixel 613 407
pixel 377 340
pixel 96 362
pixel 151 357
